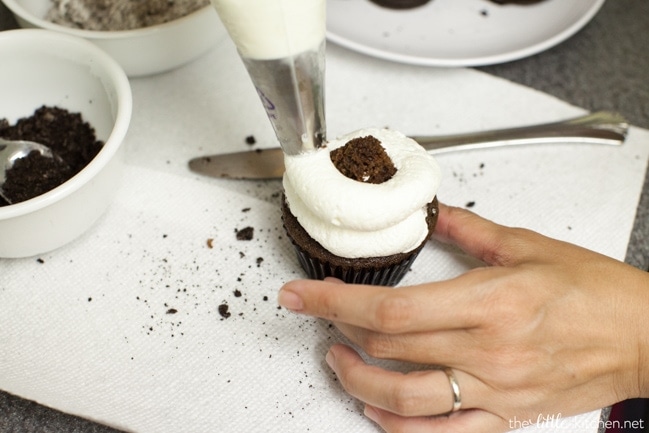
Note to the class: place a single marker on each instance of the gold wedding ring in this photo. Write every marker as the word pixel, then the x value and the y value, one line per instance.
pixel 455 388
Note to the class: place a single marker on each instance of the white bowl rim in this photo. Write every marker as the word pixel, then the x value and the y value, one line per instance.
pixel 17 9
pixel 111 144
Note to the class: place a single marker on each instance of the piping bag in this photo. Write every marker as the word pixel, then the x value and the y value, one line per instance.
pixel 282 45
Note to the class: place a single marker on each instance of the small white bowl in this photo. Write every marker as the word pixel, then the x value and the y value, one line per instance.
pixel 40 67
pixel 144 51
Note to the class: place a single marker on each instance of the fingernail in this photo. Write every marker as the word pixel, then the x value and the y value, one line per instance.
pixel 330 358
pixel 334 280
pixel 371 413
pixel 290 300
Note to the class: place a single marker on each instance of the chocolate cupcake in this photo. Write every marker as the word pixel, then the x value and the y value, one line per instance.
pixel 362 208
pixel 518 2
pixel 400 4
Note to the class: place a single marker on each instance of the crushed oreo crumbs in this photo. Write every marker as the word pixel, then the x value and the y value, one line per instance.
pixel 245 234
pixel 224 311
pixel 69 137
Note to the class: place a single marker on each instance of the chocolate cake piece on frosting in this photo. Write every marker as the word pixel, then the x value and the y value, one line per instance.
pixel 364 159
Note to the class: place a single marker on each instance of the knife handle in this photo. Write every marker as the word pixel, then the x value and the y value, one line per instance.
pixel 601 127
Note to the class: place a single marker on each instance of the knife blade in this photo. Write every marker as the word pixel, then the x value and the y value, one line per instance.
pixel 252 164
pixel 597 128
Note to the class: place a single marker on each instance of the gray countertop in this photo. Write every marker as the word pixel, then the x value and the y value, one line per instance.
pixel 604 66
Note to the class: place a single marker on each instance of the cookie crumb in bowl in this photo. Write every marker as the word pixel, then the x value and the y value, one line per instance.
pixel 115 15
pixel 69 137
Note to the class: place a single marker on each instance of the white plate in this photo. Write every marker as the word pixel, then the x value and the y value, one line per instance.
pixel 456 32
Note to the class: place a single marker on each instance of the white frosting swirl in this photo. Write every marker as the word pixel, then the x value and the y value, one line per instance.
pixel 356 219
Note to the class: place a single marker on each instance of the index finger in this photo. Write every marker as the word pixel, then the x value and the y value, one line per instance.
pixel 451 304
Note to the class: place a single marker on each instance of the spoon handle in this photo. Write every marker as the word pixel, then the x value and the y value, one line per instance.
pixel 601 127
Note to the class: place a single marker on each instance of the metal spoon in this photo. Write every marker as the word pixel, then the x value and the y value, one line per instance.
pixel 12 150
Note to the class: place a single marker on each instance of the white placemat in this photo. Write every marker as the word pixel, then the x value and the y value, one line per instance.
pixel 128 324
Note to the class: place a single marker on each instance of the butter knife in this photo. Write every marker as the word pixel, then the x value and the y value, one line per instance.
pixel 597 128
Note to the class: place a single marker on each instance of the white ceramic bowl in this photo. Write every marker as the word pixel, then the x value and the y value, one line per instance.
pixel 40 67
pixel 144 51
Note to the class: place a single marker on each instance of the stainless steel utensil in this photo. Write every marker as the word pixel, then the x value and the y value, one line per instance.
pixel 282 45
pixel 596 128
pixel 291 90
pixel 12 150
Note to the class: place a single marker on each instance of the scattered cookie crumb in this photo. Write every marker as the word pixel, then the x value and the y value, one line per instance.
pixel 250 140
pixel 210 243
pixel 245 234
pixel 224 311
pixel 470 204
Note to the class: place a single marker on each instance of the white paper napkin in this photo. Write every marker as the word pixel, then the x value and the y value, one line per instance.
pixel 128 324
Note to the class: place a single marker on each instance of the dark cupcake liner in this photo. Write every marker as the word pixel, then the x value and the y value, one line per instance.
pixel 320 263
pixel 380 276
pixel 400 4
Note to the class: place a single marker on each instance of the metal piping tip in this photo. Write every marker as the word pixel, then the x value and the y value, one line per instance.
pixel 291 90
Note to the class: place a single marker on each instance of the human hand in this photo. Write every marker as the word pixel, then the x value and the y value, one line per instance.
pixel 545 329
